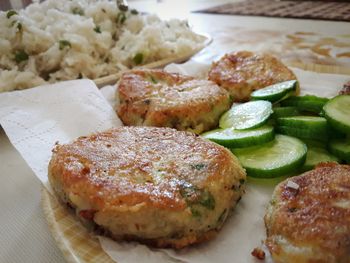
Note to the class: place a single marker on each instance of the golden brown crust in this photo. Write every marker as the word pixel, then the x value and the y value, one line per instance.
pixel 156 185
pixel 311 223
pixel 161 99
pixel 240 73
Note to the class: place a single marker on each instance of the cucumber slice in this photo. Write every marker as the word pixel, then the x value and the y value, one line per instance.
pixel 281 156
pixel 306 103
pixel 246 115
pixel 304 122
pixel 340 148
pixel 337 112
pixel 232 138
pixel 309 134
pixel 305 127
pixel 279 112
pixel 276 92
pixel 316 155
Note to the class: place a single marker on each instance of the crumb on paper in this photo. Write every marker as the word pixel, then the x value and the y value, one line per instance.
pixel 258 253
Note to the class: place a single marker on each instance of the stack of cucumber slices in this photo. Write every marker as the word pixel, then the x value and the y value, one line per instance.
pixel 278 133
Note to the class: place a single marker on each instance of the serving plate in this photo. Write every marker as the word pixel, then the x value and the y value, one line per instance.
pixel 78 245
pixel 73 239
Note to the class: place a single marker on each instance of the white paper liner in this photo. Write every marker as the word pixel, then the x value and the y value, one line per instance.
pixel 35 119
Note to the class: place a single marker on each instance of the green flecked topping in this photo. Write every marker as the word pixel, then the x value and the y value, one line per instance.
pixel 188 191
pixel 195 212
pixel 198 166
pixel 11 13
pixel 20 56
pixel 153 80
pixel 138 58
pixel 195 196
pixel 77 11
pixel 207 200
pixel 63 44
pixel 19 26
pixel 97 29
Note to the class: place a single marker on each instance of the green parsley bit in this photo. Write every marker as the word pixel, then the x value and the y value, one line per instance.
pixel 63 44
pixel 207 200
pixel 121 17
pixel 19 26
pixel 195 212
pixel 97 29
pixel 78 11
pixel 198 166
pixel 11 13
pixel 138 58
pixel 134 12
pixel 153 80
pixel 20 56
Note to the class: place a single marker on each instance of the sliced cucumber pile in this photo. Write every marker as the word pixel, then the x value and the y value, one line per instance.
pixel 232 138
pixel 310 130
pixel 276 92
pixel 281 156
pixel 247 115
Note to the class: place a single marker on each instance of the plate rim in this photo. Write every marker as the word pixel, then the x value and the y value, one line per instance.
pixel 73 250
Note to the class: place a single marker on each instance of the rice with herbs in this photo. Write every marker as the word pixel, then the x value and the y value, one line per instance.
pixel 61 40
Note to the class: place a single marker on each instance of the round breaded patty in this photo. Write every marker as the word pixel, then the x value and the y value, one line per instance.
pixel 308 219
pixel 159 186
pixel 161 99
pixel 240 73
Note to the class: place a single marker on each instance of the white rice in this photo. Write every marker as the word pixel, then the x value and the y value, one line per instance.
pixel 83 39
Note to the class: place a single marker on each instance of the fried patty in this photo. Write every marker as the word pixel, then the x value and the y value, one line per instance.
pixel 161 99
pixel 240 73
pixel 159 186
pixel 308 219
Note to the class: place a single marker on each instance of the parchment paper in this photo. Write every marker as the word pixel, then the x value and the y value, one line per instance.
pixel 35 119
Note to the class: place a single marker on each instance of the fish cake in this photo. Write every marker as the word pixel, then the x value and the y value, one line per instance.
pixel 161 99
pixel 308 218
pixel 159 186
pixel 243 72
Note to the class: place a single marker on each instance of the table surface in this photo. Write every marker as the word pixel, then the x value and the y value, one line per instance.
pixel 25 236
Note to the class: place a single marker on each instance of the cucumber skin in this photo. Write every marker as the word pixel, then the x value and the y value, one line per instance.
pixel 337 125
pixel 282 95
pixel 321 135
pixel 320 151
pixel 345 156
pixel 246 142
pixel 289 169
pixel 275 98
pixel 306 103
pixel 288 111
pixel 272 173
pixel 297 122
